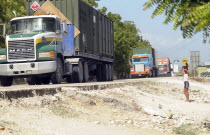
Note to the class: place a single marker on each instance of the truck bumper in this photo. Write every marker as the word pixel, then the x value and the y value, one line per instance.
pixel 29 68
pixel 139 75
pixel 162 73
pixel 136 74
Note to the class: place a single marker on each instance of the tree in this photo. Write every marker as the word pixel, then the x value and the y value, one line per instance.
pixel 92 3
pixel 191 16
pixel 7 7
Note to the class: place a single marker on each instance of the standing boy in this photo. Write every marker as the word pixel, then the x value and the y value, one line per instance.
pixel 186 85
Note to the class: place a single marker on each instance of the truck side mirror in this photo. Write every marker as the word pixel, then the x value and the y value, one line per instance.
pixel 2 30
pixel 58 32
pixel 65 27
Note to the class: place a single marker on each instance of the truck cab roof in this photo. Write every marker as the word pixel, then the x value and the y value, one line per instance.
pixel 142 55
pixel 36 16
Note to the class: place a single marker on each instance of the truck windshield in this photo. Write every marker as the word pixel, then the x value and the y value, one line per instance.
pixel 140 59
pixel 33 25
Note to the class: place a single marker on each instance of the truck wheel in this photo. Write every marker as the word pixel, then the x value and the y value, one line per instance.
pixel 98 72
pixel 86 72
pixel 6 81
pixel 109 72
pixel 156 73
pixel 69 79
pixel 112 72
pixel 78 73
pixel 105 72
pixel 31 80
pixel 56 77
pixel 153 73
pixel 150 74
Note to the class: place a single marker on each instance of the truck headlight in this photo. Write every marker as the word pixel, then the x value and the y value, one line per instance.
pixel 3 57
pixel 46 54
pixel 147 69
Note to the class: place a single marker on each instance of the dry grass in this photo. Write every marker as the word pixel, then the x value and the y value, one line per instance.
pixel 186 129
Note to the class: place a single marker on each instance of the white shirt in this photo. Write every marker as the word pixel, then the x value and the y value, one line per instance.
pixel 185 77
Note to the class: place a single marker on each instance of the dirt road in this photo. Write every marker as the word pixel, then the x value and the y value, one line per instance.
pixel 152 106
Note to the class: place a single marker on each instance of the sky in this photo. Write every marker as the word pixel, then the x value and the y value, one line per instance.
pixel 166 41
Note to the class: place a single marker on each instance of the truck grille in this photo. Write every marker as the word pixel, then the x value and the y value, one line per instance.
pixel 139 67
pixel 21 50
pixel 161 72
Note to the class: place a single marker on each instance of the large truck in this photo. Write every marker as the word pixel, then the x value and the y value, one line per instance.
pixel 144 62
pixel 164 66
pixel 44 49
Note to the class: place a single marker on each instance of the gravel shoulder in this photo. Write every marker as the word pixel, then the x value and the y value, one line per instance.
pixel 152 106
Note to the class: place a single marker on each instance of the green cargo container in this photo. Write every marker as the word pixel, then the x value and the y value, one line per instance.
pixel 143 50
pixel 146 50
pixel 96 30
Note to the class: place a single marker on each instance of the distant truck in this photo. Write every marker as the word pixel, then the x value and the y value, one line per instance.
pixel 164 66
pixel 43 48
pixel 144 62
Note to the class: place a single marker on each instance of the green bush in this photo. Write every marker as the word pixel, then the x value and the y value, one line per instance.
pixel 186 129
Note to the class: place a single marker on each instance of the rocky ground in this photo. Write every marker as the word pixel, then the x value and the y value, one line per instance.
pixel 154 106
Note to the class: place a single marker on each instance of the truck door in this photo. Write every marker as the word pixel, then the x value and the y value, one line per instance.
pixel 58 39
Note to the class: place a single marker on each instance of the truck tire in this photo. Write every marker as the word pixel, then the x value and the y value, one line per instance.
pixel 98 72
pixel 153 73
pixel 86 72
pixel 150 74
pixel 57 76
pixel 105 72
pixel 34 81
pixel 156 73
pixel 31 81
pixel 69 79
pixel 112 72
pixel 109 72
pixel 77 75
pixel 6 81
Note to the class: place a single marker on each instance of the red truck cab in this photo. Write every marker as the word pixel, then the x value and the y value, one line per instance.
pixel 164 67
